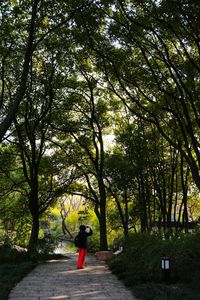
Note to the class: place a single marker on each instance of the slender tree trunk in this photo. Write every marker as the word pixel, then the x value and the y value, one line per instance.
pixel 143 208
pixel 34 209
pixel 126 213
pixel 123 217
pixel 103 227
pixel 175 204
pixel 170 198
pixel 185 190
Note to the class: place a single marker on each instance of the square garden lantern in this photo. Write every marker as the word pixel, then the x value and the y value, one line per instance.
pixel 165 269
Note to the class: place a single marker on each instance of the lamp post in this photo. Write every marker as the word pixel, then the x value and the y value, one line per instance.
pixel 165 269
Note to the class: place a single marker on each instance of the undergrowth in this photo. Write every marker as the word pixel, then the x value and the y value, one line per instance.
pixel 139 266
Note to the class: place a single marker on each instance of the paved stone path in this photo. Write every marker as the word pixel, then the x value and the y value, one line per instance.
pixel 58 280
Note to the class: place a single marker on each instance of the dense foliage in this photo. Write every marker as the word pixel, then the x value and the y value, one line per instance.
pixel 139 266
pixel 100 100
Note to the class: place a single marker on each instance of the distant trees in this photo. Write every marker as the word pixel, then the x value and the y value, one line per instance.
pixel 148 179
pixel 84 121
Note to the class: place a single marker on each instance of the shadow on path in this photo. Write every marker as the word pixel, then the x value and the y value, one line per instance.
pixel 61 280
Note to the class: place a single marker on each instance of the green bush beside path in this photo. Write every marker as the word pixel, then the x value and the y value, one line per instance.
pixel 139 266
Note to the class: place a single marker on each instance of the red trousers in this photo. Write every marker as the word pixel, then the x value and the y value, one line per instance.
pixel 81 257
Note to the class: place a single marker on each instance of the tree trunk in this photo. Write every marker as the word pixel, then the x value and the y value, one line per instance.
pixel 126 213
pixel 142 201
pixel 103 231
pixel 34 210
pixel 32 247
pixel 123 217
pixel 184 183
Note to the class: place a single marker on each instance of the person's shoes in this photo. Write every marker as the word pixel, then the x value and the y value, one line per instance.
pixel 80 268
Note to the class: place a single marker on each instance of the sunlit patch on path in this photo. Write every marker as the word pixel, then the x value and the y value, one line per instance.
pixel 57 280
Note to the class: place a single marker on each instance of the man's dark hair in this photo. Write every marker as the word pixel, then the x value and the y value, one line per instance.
pixel 82 227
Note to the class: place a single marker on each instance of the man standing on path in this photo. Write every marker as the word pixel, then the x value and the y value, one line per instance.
pixel 84 232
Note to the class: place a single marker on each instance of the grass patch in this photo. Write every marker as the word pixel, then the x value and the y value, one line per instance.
pixel 156 291
pixel 10 274
pixel 14 265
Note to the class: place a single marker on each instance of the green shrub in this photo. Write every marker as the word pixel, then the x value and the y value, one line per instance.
pixel 8 254
pixel 93 244
pixel 186 257
pixel 141 260
pixel 47 244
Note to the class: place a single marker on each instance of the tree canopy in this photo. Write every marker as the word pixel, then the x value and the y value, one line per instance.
pixel 100 99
